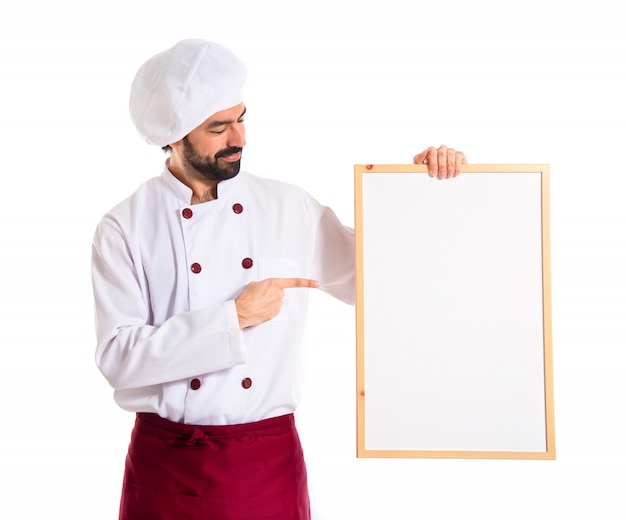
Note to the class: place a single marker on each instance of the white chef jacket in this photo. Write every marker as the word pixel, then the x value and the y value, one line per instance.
pixel 165 276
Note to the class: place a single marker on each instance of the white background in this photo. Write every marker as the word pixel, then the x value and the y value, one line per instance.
pixel 332 83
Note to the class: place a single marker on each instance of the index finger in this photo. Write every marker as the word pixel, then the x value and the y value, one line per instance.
pixel 288 283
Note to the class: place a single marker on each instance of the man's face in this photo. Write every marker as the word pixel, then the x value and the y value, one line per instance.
pixel 214 148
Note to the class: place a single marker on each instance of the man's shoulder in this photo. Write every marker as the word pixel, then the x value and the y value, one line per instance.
pixel 147 191
pixel 274 187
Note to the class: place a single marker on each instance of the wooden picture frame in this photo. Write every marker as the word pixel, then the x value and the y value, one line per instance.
pixel 454 339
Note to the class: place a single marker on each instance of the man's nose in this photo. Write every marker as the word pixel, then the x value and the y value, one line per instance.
pixel 237 135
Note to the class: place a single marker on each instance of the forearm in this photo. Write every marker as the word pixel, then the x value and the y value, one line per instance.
pixel 187 344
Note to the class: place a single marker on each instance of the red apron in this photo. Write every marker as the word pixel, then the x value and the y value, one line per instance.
pixel 252 471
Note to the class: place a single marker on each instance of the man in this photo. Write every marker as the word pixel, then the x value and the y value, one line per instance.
pixel 201 281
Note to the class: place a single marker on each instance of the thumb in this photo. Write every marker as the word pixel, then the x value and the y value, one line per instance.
pixel 420 158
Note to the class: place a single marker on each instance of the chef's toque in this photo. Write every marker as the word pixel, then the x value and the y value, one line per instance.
pixel 178 89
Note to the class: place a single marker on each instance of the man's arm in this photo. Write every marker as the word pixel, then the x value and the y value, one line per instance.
pixel 131 351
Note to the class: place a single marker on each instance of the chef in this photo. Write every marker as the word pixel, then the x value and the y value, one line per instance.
pixel 201 280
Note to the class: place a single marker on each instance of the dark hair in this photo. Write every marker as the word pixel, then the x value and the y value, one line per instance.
pixel 166 148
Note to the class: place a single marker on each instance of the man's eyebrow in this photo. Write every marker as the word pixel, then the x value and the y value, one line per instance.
pixel 214 124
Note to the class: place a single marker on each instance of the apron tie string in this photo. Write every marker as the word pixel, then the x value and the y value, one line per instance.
pixel 197 438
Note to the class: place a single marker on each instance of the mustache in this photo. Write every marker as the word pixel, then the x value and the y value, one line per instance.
pixel 228 151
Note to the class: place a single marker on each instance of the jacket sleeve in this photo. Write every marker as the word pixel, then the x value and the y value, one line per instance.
pixel 131 351
pixel 333 263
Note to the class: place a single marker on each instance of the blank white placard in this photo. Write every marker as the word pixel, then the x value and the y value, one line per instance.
pixel 452 285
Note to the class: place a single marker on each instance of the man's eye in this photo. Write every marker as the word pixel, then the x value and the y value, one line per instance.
pixel 221 131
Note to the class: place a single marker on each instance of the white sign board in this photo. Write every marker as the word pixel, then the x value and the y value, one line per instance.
pixel 453 313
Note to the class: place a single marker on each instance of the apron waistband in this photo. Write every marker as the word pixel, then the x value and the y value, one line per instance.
pixel 164 429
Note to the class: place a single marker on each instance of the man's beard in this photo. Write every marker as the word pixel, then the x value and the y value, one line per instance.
pixel 209 167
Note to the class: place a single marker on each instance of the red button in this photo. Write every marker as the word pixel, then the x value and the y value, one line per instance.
pixel 247 263
pixel 196 268
pixel 195 384
pixel 237 208
pixel 246 383
pixel 187 213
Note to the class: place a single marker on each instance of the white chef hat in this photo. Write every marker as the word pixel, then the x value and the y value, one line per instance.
pixel 176 90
